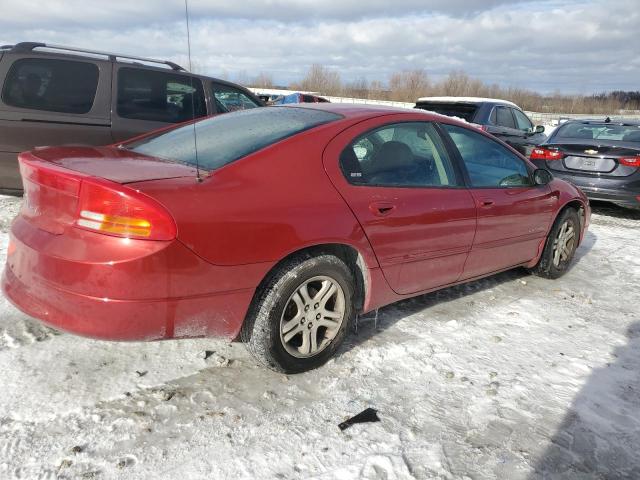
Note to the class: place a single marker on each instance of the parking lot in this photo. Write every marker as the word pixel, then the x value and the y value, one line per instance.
pixel 508 377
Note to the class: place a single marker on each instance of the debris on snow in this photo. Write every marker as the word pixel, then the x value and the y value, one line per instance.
pixel 367 415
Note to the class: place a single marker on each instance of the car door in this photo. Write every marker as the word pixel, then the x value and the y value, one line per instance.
pixel 146 99
pixel 530 138
pixel 408 196
pixel 50 101
pixel 503 126
pixel 514 214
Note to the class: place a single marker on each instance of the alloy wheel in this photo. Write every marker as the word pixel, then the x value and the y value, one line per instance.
pixel 564 243
pixel 312 316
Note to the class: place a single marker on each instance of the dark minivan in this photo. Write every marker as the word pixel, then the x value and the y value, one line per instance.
pixel 55 95
pixel 500 118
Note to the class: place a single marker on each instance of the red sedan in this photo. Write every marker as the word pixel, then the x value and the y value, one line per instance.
pixel 279 228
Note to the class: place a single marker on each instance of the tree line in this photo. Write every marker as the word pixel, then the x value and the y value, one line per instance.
pixel 409 85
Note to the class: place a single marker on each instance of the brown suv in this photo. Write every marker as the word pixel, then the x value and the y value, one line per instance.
pixel 54 95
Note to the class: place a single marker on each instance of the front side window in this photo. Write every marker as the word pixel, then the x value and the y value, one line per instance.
pixel 63 86
pixel 522 121
pixel 229 99
pixel 159 96
pixel 398 155
pixel 223 139
pixel 488 163
pixel 504 117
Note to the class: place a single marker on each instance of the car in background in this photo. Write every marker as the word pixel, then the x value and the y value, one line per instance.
pixel 602 157
pixel 502 119
pixel 54 95
pixel 252 240
pixel 297 97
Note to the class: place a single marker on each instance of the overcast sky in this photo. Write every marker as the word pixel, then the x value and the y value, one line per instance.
pixel 573 46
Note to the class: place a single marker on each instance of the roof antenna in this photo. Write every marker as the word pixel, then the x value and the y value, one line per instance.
pixel 193 108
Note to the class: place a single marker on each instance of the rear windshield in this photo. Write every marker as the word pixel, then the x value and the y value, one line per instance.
pixel 600 131
pixel 466 111
pixel 225 138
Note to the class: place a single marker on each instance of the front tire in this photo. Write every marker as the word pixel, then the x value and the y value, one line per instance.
pixel 302 313
pixel 560 247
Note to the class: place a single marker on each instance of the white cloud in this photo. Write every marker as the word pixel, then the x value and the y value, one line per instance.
pixel 566 45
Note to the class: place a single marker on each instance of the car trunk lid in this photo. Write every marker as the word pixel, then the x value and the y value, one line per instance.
pixel 55 180
pixel 593 159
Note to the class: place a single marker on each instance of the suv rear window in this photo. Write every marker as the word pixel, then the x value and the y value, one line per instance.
pixel 225 138
pixel 159 96
pixel 466 111
pixel 64 86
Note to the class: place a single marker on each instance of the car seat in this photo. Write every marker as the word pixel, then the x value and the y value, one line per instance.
pixel 394 164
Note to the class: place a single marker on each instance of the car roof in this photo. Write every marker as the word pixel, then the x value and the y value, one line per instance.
pixel 466 100
pixel 50 50
pixel 356 111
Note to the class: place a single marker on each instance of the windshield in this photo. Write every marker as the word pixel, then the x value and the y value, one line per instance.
pixel 225 138
pixel 466 111
pixel 600 131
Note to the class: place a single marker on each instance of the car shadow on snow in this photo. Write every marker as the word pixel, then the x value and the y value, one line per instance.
pixel 613 210
pixel 391 314
pixel 600 433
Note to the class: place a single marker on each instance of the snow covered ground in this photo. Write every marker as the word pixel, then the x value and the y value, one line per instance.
pixel 509 377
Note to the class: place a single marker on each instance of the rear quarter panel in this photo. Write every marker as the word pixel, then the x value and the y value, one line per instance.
pixel 263 207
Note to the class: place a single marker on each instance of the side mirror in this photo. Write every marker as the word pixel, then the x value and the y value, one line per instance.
pixel 539 129
pixel 542 176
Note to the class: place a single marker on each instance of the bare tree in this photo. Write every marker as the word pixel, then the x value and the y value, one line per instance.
pixel 263 80
pixel 320 79
pixel 408 85
pixel 357 89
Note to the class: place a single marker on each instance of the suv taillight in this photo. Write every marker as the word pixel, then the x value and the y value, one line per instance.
pixel 540 153
pixel 630 161
pixel 123 212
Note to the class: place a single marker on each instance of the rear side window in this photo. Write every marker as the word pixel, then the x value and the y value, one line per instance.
pixel 159 96
pixel 398 155
pixel 63 86
pixel 229 99
pixel 225 138
pixel 504 117
pixel 466 111
pixel 489 164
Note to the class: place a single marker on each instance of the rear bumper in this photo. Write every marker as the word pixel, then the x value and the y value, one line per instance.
pixel 218 315
pixel 621 190
pixel 165 292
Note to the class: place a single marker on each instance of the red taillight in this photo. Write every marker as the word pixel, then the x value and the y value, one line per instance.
pixel 56 198
pixel 630 161
pixel 123 212
pixel 540 153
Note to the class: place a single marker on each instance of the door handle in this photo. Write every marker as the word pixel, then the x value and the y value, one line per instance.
pixel 382 209
pixel 486 203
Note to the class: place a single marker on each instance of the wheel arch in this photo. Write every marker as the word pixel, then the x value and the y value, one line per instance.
pixel 351 256
pixel 580 207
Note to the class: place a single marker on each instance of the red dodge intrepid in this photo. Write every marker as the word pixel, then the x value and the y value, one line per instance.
pixel 281 226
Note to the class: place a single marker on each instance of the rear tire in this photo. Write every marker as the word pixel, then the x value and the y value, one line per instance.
pixel 301 315
pixel 560 246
